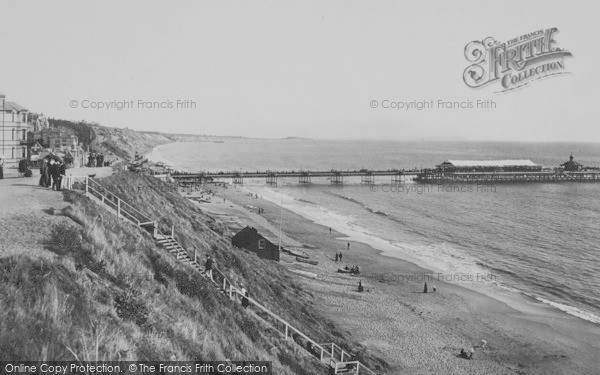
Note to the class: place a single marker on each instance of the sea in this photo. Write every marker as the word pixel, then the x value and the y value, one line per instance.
pixel 537 239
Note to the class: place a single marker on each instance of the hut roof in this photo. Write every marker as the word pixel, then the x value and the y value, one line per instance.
pixel 492 163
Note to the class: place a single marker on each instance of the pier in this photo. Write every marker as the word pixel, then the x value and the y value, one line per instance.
pixel 450 171
pixel 435 177
pixel 335 177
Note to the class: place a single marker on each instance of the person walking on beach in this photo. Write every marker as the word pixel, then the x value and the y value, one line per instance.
pixel 329 230
pixel 340 256
pixel 337 257
pixel 348 247
pixel 425 287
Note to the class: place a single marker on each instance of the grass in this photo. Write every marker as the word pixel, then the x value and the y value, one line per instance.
pixel 109 293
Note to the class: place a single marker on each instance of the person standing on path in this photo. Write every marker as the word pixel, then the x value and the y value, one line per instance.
pixel 425 287
pixel 62 170
pixel 43 167
pixel 54 173
pixel 340 256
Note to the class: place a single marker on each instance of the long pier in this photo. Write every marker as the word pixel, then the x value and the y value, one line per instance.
pixel 427 176
pixel 304 177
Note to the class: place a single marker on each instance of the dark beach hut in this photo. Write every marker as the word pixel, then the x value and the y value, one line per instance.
pixel 249 239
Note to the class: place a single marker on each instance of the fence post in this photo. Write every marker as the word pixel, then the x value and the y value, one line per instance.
pixel 342 357
pixel 286 336
pixel 224 281
pixel 173 231
pixel 155 229
pixel 230 291
pixel 195 255
pixel 87 183
pixel 118 208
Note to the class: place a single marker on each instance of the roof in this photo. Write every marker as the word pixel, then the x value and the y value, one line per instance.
pixel 492 163
pixel 12 106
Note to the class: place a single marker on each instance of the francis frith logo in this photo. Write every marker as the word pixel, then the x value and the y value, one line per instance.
pixel 515 63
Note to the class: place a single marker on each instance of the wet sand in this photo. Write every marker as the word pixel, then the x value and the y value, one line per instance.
pixel 419 333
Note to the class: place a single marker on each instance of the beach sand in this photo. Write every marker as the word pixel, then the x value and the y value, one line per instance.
pixel 415 332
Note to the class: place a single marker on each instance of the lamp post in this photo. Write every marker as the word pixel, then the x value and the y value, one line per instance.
pixel 3 97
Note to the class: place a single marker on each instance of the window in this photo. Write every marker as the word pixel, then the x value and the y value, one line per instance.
pixel 23 152
pixel 262 244
pixel 24 135
pixel 13 134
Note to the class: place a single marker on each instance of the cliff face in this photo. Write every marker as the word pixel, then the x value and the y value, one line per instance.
pixel 124 143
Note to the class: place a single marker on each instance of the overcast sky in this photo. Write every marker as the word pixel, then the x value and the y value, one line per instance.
pixel 301 68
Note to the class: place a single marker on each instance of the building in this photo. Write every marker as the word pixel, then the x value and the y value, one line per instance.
pixel 57 140
pixel 249 239
pixel 14 130
pixel 518 165
pixel 572 165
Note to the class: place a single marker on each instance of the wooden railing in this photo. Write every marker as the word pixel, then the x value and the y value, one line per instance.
pixel 91 187
pixel 326 353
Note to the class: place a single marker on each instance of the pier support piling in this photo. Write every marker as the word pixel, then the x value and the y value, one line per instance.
pixel 337 178
pixel 367 179
pixel 238 180
pixel 272 179
pixel 304 178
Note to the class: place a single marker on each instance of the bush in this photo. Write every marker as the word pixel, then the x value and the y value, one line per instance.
pixel 131 307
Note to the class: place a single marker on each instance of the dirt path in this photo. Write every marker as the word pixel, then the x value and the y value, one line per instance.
pixel 27 213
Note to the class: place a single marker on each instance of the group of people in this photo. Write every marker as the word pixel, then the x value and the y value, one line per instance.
pixel 51 173
pixel 338 256
pixel 95 160
pixel 354 269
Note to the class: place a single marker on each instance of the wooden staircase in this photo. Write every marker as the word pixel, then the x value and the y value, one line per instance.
pixel 337 360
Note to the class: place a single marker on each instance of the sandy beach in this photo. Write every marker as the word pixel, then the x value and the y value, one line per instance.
pixel 418 333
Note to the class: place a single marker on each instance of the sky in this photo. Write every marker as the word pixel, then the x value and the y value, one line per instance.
pixel 313 69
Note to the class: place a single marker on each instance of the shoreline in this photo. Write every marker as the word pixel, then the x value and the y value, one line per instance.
pixel 509 312
pixel 523 334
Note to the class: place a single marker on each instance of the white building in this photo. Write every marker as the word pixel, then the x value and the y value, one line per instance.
pixel 14 127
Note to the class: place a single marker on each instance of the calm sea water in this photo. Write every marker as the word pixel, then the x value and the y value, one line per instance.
pixel 539 239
